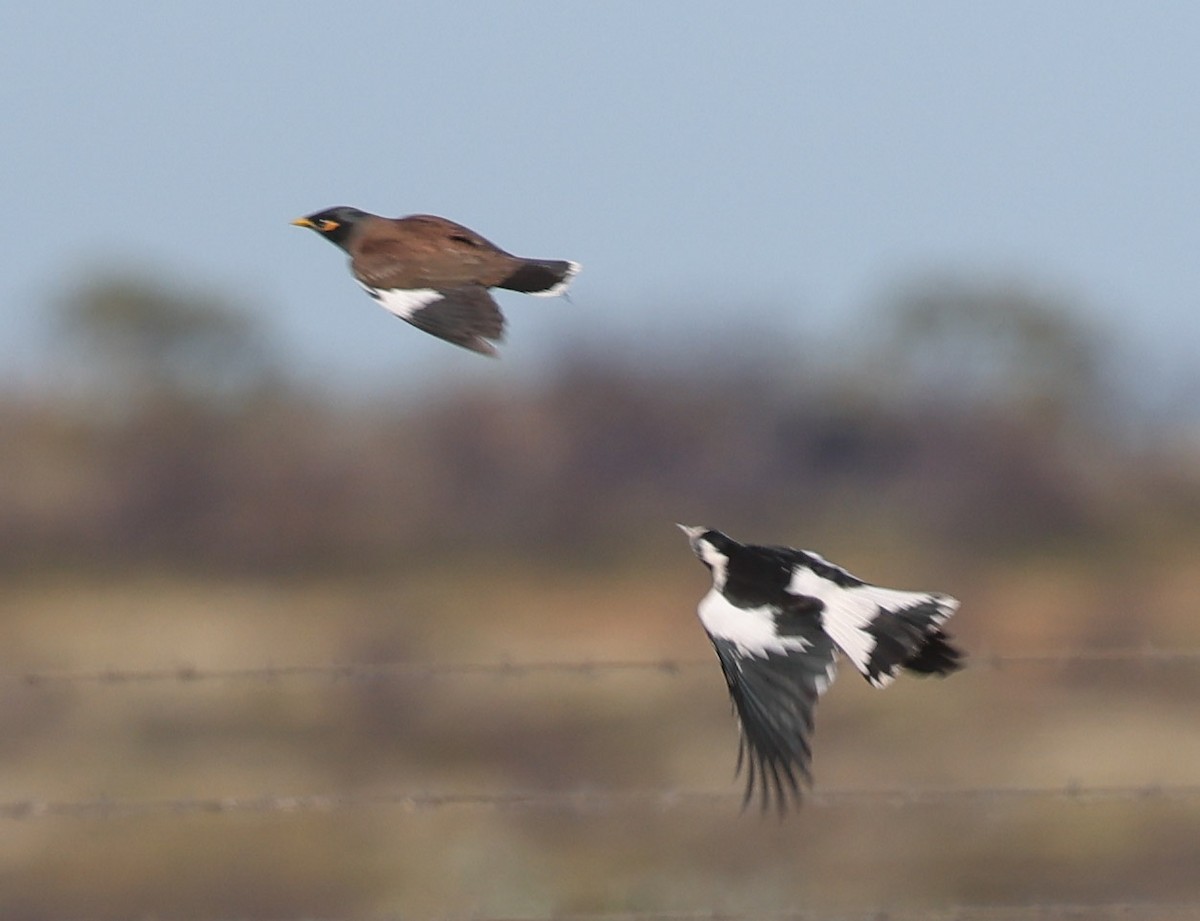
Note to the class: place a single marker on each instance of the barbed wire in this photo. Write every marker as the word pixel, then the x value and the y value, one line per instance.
pixel 1044 910
pixel 186 674
pixel 582 801
pixel 349 671
pixel 1026 912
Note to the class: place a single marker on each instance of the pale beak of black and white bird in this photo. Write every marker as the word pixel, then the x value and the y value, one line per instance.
pixel 777 618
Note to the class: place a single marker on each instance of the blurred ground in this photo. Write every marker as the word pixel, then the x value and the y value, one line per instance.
pixel 183 505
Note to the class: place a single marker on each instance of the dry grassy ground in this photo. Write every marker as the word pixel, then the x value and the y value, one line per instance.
pixel 375 736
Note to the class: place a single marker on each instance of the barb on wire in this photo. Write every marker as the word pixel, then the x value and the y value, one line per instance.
pixel 582 801
pixel 185 674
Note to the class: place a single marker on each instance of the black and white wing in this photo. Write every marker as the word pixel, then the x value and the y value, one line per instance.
pixel 777 664
pixel 880 630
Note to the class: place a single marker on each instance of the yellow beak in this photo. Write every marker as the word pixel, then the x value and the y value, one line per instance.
pixel 304 222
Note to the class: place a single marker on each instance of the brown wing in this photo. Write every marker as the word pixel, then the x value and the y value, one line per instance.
pixel 424 251
pixel 466 316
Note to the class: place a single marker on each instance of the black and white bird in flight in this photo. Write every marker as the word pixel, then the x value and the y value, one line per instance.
pixel 777 618
pixel 436 274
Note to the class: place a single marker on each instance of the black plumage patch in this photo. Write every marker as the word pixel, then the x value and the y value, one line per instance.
pixel 534 276
pixel 901 637
pixel 936 657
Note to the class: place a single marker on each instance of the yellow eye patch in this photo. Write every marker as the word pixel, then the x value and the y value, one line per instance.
pixel 322 226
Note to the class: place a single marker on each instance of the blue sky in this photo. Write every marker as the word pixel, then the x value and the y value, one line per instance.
pixel 711 165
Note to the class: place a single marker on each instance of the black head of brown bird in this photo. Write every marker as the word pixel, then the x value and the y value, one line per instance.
pixel 335 224
pixel 434 273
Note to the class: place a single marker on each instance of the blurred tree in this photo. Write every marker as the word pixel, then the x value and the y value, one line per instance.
pixel 1008 396
pixel 999 345
pixel 973 418
pixel 139 341
pixel 176 384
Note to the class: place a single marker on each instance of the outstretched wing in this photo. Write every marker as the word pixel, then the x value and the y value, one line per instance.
pixel 466 316
pixel 774 692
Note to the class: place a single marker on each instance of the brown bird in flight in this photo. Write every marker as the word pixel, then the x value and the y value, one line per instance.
pixel 435 274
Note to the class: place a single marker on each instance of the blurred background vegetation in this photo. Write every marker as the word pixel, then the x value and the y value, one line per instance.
pixel 171 496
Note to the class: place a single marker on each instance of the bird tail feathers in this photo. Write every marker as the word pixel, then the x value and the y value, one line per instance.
pixel 909 636
pixel 541 277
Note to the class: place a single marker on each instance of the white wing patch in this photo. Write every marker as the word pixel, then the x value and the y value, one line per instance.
pixel 572 270
pixel 849 611
pixel 403 302
pixel 823 682
pixel 751 630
